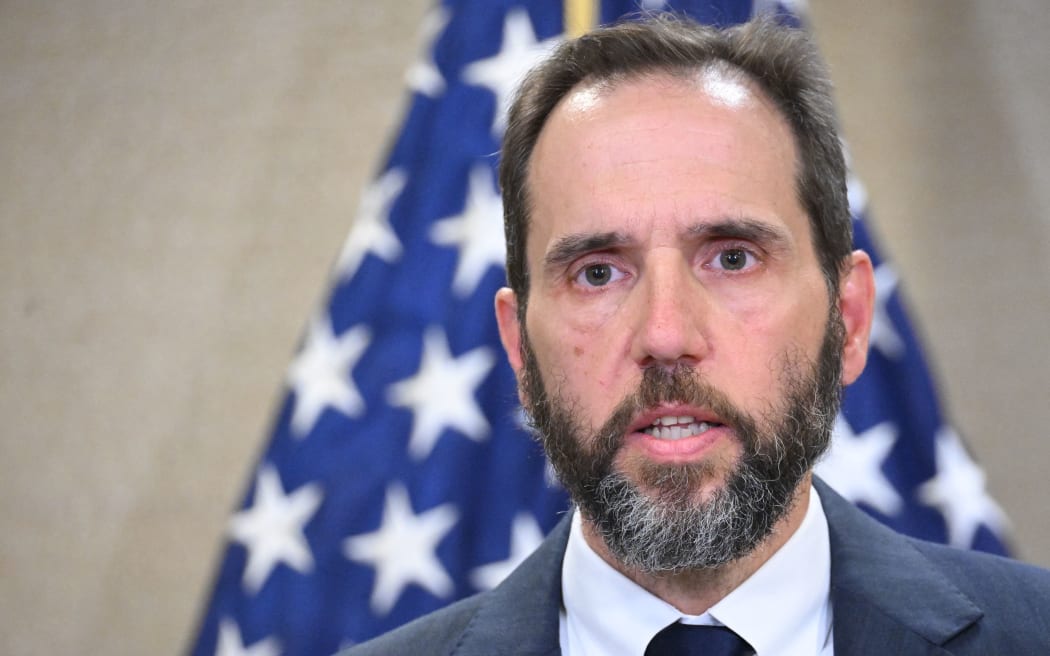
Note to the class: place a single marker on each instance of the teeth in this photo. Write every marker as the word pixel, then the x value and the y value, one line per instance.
pixel 677 428
pixel 671 421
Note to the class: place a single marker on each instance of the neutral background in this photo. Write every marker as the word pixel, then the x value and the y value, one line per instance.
pixel 177 177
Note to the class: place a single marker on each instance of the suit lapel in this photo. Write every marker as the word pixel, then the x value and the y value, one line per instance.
pixel 521 615
pixel 861 629
pixel 887 597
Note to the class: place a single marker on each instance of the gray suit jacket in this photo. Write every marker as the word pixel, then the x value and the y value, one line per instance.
pixel 891 595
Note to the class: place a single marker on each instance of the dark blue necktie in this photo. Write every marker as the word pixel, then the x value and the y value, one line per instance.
pixel 697 640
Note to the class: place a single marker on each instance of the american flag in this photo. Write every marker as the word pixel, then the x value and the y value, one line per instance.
pixel 398 477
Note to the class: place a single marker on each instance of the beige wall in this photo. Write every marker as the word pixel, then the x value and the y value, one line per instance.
pixel 944 104
pixel 176 178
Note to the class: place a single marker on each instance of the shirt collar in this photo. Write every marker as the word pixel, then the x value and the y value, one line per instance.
pixel 783 608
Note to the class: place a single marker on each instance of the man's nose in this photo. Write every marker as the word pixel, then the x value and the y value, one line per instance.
pixel 671 315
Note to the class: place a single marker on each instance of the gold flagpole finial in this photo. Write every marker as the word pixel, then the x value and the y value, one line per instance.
pixel 580 16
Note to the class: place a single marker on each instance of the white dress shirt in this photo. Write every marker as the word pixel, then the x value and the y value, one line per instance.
pixel 783 609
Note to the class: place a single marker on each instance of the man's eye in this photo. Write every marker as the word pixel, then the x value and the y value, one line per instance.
pixel 598 275
pixel 734 259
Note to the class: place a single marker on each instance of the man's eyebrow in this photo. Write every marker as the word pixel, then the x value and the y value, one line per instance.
pixel 568 248
pixel 759 232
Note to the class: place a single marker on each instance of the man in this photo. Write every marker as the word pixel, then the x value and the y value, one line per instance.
pixel 683 311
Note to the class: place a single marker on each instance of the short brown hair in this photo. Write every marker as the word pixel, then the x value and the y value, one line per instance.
pixel 782 60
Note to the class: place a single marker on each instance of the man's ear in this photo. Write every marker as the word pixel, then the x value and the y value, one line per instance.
pixel 509 327
pixel 857 305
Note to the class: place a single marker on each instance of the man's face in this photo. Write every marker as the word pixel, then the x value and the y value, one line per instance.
pixel 677 316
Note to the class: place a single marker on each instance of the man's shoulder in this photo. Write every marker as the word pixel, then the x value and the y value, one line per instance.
pixel 436 633
pixel 949 596
pixel 873 550
pixel 988 576
pixel 1012 598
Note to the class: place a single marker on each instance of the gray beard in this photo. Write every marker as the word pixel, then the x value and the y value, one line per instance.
pixel 670 529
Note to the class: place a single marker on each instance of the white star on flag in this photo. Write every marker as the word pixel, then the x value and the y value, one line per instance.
pixel 525 536
pixel 478 232
pixel 272 528
pixel 320 375
pixel 523 422
pixel 371 232
pixel 502 73
pixel 423 76
pixel 958 491
pixel 230 643
pixel 441 393
pixel 403 550
pixel 856 193
pixel 853 466
pixel 883 335
pixel 550 475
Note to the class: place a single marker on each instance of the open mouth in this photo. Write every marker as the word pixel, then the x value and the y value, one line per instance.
pixel 676 428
